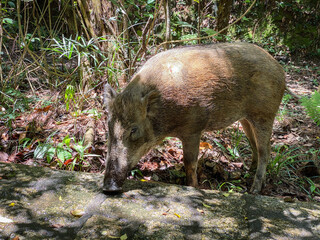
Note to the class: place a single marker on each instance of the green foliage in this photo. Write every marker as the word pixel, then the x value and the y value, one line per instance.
pixel 68 153
pixel 78 48
pixel 136 172
pixel 232 186
pixel 9 22
pixel 69 96
pixel 284 168
pixel 300 21
pixel 313 188
pixel 177 173
pixel 236 148
pixel 13 103
pixel 280 26
pixel 32 42
pixel 93 112
pixel 48 150
pixel 284 160
pixel 312 106
pixel 85 53
pixel 284 110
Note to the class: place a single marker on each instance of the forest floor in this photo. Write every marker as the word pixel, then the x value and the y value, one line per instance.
pixel 50 136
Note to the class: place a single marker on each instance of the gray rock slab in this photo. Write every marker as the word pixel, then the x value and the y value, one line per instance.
pixel 36 203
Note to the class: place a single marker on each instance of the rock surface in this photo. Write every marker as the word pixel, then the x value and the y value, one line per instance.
pixel 40 203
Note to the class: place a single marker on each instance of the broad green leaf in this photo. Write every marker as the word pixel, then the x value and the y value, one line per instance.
pixel 79 148
pixel 206 206
pixel 7 20
pixel 226 194
pixel 41 150
pixel 124 237
pixel 208 31
pixel 63 154
pixel 67 140
pixel 50 154
pixel 12 4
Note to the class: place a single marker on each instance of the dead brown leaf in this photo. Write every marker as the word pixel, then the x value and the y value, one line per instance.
pixel 77 212
pixel 57 225
pixel 205 145
pixel 5 136
pixel 4 157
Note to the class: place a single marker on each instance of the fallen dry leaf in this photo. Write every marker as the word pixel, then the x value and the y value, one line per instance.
pixel 205 145
pixel 57 225
pixel 77 212
pixel 166 212
pixel 238 164
pixel 4 157
pixel 288 199
pixel 68 161
pixel 200 211
pixel 44 109
pixel 5 136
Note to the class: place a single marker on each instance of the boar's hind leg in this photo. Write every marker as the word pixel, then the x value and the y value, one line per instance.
pixel 262 129
pixel 250 135
pixel 190 157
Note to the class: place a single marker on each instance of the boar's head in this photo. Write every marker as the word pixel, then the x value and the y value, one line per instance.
pixel 130 132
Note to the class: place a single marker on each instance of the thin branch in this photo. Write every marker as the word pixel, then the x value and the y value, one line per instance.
pixel 146 30
pixel 210 36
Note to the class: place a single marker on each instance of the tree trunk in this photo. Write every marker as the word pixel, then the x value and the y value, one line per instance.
pixel 1 32
pixel 166 4
pixel 199 21
pixel 126 41
pixel 224 11
pixel 94 16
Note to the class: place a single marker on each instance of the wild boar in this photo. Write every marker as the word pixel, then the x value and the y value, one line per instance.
pixel 185 91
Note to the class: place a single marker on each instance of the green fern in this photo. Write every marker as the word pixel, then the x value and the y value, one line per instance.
pixel 312 106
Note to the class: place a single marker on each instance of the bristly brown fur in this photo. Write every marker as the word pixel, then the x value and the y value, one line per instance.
pixel 183 92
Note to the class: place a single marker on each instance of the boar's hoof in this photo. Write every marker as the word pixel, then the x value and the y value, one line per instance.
pixel 254 191
pixel 111 187
pixel 256 187
pixel 112 190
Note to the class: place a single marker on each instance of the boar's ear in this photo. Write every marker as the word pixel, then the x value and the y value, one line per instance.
pixel 108 95
pixel 149 102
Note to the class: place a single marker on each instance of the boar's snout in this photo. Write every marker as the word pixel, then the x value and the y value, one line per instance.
pixel 114 177
pixel 113 181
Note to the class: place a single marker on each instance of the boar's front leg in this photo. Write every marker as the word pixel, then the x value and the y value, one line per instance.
pixel 190 157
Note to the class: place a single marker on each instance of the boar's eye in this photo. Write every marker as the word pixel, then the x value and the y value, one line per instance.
pixel 134 130
pixel 134 134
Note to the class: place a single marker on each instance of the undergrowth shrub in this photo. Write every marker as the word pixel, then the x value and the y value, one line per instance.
pixel 312 106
